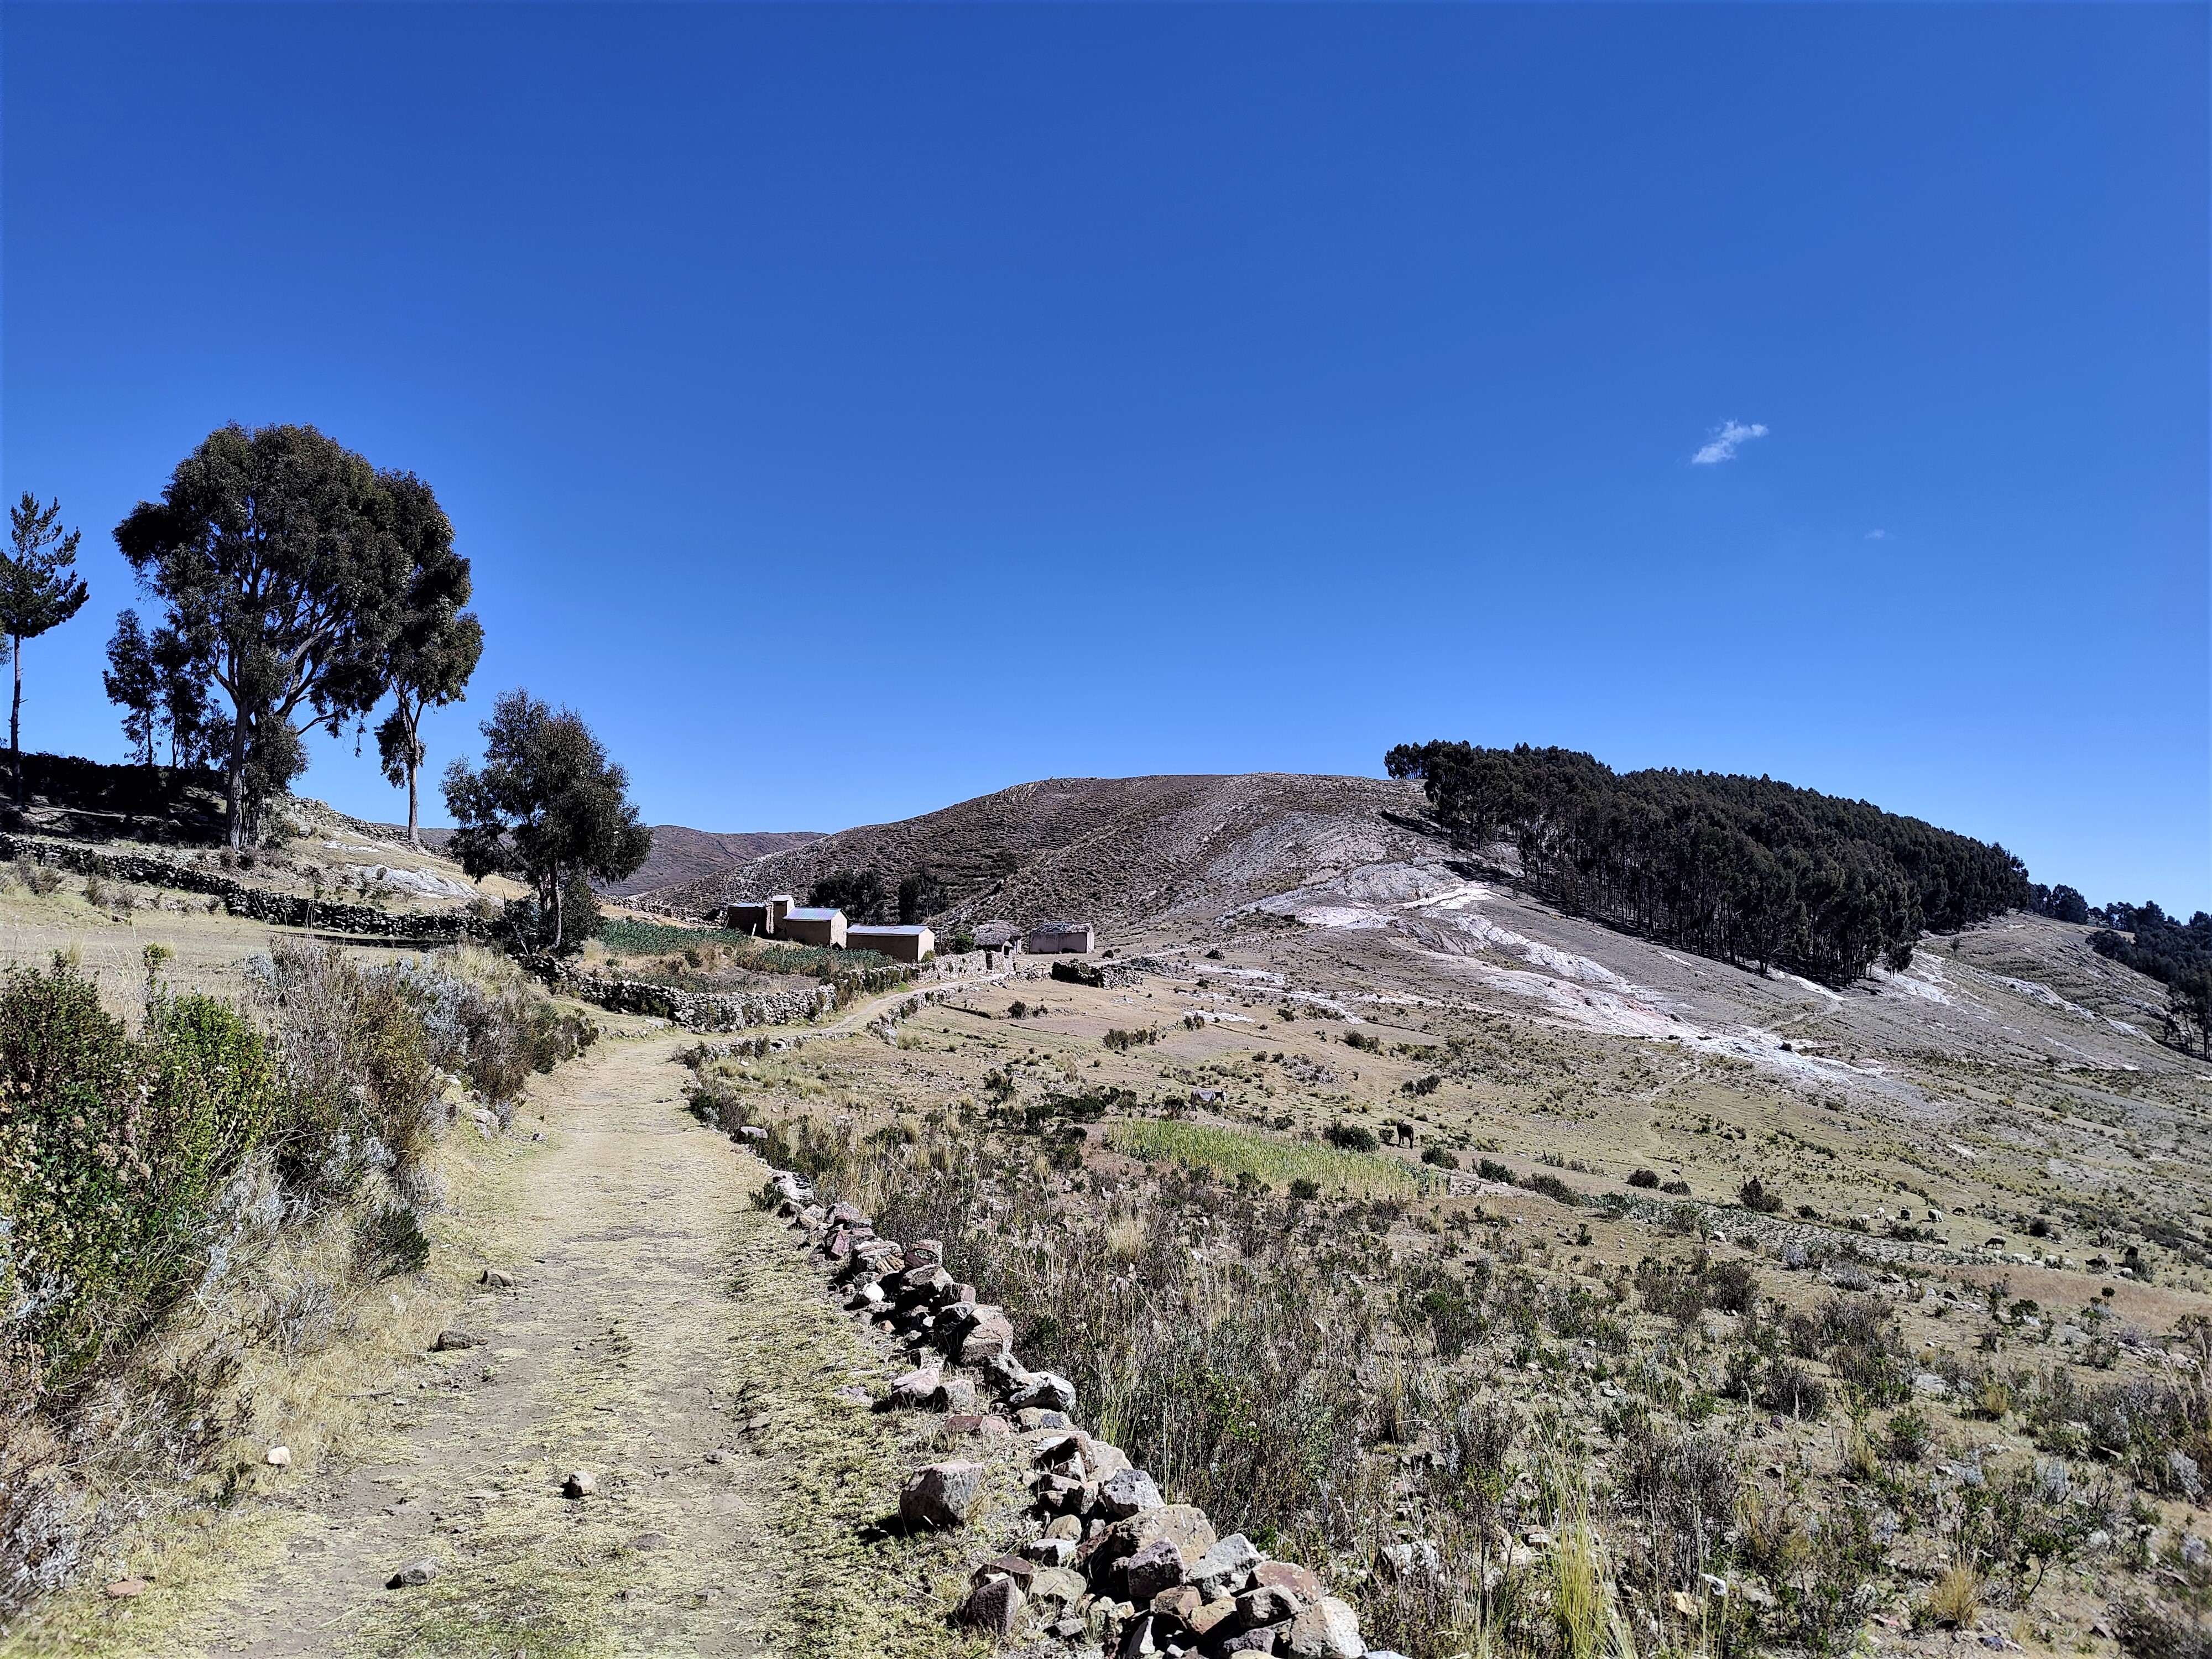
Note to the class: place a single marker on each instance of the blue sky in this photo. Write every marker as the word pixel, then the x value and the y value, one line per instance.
pixel 851 410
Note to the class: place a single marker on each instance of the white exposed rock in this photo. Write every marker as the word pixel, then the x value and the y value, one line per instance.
pixel 280 1457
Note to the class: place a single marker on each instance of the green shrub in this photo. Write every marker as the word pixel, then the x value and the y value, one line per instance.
pixel 1439 1157
pixel 1647 1179
pixel 1553 1187
pixel 1491 1169
pixel 112 1152
pixel 1304 1187
pixel 1351 1138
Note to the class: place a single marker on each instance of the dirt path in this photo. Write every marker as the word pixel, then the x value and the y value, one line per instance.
pixel 664 1336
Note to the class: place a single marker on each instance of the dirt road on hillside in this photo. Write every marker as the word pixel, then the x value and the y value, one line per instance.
pixel 663 1337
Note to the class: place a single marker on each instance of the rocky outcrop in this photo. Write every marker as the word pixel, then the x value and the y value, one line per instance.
pixel 1113 1565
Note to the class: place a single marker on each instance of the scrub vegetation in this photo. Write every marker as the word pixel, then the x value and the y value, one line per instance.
pixel 233 1175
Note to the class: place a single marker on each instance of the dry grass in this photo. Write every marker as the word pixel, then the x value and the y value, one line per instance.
pixel 1954 1600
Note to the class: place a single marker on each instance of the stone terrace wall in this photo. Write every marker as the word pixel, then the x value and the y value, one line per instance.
pixel 695 1011
pixel 1113 1567
pixel 256 903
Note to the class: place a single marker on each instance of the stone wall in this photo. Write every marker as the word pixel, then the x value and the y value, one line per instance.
pixel 256 903
pixel 695 1011
pixel 1112 1565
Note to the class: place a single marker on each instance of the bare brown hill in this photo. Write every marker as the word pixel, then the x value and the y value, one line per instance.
pixel 681 855
pixel 1105 849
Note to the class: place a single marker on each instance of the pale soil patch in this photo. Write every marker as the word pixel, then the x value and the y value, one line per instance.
pixel 665 1336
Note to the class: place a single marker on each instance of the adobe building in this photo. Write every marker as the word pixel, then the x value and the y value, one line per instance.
pixel 900 944
pixel 760 919
pixel 1061 938
pixel 811 924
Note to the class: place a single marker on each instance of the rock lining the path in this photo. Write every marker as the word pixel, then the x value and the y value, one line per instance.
pixel 1113 1565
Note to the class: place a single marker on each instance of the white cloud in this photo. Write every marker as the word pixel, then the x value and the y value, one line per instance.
pixel 1726 436
pixel 1877 536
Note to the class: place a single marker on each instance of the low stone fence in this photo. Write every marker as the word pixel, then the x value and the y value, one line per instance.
pixel 255 903
pixel 695 1011
pixel 1113 1565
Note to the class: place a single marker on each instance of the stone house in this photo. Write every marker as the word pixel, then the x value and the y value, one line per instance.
pixel 808 924
pixel 900 944
pixel 1060 937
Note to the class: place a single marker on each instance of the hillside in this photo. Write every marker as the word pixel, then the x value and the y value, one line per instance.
pixel 681 855
pixel 1113 850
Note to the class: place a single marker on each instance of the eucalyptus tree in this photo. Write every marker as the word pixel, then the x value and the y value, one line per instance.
pixel 277 553
pixel 434 648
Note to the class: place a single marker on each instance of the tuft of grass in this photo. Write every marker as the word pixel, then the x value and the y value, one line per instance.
pixel 1232 1152
pixel 1955 1598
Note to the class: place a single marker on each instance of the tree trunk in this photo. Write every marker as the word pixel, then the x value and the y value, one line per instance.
pixel 235 784
pixel 556 910
pixel 414 835
pixel 14 724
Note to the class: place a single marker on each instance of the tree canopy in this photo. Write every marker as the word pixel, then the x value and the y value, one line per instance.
pixel 548 809
pixel 282 559
pixel 434 644
pixel 1745 869
pixel 2176 954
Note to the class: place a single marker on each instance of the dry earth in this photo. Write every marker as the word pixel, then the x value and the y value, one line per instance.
pixel 662 1336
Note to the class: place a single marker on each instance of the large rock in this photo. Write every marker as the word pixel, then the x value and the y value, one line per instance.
pixel 986 1339
pixel 1185 1526
pixel 1214 1615
pixel 1057 1585
pixel 1131 1492
pixel 1050 1390
pixel 1140 1637
pixel 1267 1604
pixel 940 1495
pixel 1301 1582
pixel 992 1606
pixel 914 1390
pixel 1016 1567
pixel 1158 1566
pixel 918 1285
pixel 1327 1629
pixel 1261 1640
pixel 1223 1570
pixel 1178 1602
pixel 955 1393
